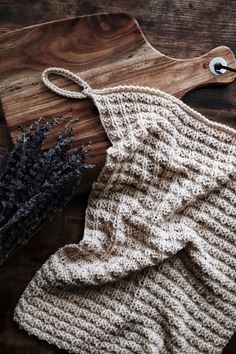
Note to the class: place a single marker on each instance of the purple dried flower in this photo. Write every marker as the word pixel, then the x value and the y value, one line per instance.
pixel 36 184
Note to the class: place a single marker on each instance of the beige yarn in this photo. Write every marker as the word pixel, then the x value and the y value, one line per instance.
pixel 155 270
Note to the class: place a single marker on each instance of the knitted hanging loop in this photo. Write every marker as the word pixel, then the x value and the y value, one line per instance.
pixel 68 74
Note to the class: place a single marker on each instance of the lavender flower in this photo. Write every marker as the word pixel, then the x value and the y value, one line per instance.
pixel 36 184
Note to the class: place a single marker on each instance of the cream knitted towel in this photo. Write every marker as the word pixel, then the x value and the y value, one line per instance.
pixel 155 270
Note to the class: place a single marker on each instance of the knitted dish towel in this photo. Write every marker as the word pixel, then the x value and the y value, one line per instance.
pixel 155 270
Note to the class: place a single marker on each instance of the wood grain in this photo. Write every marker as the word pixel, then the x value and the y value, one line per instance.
pixel 121 61
pixel 179 29
pixel 79 44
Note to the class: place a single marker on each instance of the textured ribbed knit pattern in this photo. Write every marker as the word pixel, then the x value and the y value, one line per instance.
pixel 155 270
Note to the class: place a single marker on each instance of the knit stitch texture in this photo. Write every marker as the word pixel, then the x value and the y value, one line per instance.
pixel 155 272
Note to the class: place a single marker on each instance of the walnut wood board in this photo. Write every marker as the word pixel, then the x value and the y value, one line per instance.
pixel 105 50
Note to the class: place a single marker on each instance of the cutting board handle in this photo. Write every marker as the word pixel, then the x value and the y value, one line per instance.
pixel 172 75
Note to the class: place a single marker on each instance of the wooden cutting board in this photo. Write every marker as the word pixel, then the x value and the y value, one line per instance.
pixel 106 49
pixel 79 44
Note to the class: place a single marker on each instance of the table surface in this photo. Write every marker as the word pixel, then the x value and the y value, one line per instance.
pixel 180 29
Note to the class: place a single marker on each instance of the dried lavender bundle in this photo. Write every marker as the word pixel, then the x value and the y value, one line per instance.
pixel 36 184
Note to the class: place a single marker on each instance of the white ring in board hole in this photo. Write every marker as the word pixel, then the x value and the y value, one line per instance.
pixel 217 60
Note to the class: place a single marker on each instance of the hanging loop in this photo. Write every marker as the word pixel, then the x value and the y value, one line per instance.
pixel 68 74
pixel 219 66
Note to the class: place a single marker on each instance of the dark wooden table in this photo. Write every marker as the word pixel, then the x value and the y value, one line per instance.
pixel 180 29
